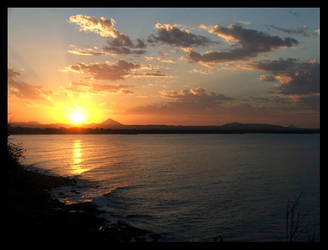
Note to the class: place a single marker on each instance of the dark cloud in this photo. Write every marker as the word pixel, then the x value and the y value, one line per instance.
pixel 180 38
pixel 25 90
pixel 123 44
pixel 311 102
pixel 298 78
pixel 246 43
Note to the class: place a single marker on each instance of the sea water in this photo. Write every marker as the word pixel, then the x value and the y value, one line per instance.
pixel 189 187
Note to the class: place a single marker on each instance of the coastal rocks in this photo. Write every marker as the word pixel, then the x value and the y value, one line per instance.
pixel 123 232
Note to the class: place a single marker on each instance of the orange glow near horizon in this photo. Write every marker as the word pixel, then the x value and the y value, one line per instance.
pixel 77 115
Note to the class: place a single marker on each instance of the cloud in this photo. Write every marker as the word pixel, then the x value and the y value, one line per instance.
pixel 158 59
pixel 246 43
pixel 244 22
pixel 82 87
pixel 186 101
pixel 88 52
pixel 119 71
pixel 296 78
pixel 179 38
pixel 104 71
pixel 197 103
pixel 25 90
pixel 203 72
pixel 123 44
pixel 300 31
pixel 151 74
pixel 118 43
pixel 267 78
pixel 102 26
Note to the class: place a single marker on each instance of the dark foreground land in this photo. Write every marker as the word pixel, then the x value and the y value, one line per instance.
pixel 34 214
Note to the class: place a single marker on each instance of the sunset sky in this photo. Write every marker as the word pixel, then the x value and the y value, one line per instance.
pixel 187 66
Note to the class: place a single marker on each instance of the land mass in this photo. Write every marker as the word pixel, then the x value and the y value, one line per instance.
pixel 110 126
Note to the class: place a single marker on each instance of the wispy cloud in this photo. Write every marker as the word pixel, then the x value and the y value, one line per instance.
pixel 159 59
pixel 82 87
pixel 115 71
pixel 94 51
pixel 200 71
pixel 299 31
pixel 27 91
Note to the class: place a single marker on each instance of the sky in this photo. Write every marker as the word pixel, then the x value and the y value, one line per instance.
pixel 174 66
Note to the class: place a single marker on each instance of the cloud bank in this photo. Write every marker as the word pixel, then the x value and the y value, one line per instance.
pixel 25 90
pixel 246 43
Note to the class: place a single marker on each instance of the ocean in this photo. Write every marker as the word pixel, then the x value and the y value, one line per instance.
pixel 189 187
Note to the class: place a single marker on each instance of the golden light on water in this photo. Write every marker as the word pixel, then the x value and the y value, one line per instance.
pixel 77 167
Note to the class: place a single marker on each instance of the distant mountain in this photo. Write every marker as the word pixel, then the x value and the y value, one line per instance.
pixel 111 126
pixel 39 125
pixel 109 123
pixel 253 126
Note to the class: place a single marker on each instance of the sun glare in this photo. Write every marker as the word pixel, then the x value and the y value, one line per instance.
pixel 77 117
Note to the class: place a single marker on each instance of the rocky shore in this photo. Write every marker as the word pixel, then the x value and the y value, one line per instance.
pixel 33 212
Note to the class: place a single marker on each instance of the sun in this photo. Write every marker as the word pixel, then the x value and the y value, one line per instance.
pixel 77 117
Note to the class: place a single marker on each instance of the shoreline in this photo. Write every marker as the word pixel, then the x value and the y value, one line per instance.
pixel 33 212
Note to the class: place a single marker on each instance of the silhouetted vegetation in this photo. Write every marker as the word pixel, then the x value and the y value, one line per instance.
pixel 161 129
pixel 296 229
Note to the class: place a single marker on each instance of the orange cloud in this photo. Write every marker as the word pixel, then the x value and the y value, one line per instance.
pixel 102 26
pixel 119 71
pixel 25 90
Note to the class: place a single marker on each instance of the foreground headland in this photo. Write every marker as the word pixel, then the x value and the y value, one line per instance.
pixel 35 214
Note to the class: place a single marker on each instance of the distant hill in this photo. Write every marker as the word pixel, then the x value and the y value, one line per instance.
pixel 253 126
pixel 38 125
pixel 109 123
pixel 111 126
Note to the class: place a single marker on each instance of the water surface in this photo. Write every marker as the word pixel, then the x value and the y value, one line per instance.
pixel 189 187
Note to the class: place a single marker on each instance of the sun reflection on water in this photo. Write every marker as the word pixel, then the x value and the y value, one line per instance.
pixel 77 167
